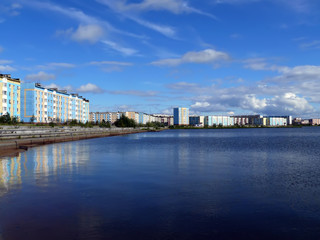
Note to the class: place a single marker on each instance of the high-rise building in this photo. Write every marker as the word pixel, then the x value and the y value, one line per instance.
pixel 181 116
pixel 9 95
pixel 52 105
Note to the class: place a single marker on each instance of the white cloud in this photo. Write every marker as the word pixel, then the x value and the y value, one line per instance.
pixel 56 65
pixel 6 68
pixel 262 64
pixel 173 6
pixel 299 6
pixel 84 33
pixel 235 1
pixel 40 76
pixel 131 11
pixel 89 88
pixel 77 15
pixel 68 88
pixel 123 50
pixel 311 45
pixel 3 61
pixel 284 104
pixel 200 105
pixel 205 56
pixel 62 65
pixel 135 93
pixel 111 66
pixel 305 73
pixel 99 63
pixel 183 86
pixel 10 10
pixel 164 30
pixel 87 33
pixel 295 91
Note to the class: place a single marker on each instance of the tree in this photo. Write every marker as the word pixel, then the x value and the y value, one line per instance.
pixel 14 120
pixel 125 122
pixel 5 118
pixel 104 124
pixel 32 119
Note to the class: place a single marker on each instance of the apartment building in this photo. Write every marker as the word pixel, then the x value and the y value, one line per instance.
pixel 218 121
pixel 9 95
pixel 111 117
pixel 52 105
pixel 181 116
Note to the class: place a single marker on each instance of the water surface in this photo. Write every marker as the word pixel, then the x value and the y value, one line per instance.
pixel 175 184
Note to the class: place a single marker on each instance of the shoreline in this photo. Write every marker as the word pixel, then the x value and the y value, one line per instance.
pixel 14 146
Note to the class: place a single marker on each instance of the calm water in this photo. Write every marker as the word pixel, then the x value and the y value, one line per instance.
pixel 178 184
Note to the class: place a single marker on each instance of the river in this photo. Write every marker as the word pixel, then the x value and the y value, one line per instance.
pixel 174 184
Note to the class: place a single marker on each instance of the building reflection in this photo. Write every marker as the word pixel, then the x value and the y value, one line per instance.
pixel 42 162
pixel 10 173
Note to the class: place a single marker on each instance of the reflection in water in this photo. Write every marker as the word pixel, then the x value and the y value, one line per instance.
pixel 219 184
pixel 45 161
pixel 10 173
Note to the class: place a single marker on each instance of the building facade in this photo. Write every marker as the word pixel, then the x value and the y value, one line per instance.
pixel 196 121
pixel 110 117
pixel 52 105
pixel 181 116
pixel 314 121
pixel 218 121
pixel 9 95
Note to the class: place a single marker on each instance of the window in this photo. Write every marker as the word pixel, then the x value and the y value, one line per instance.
pixel 4 92
pixel 4 109
pixel 4 84
pixel 4 100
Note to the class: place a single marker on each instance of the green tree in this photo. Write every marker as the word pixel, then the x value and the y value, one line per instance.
pixel 104 124
pixel 125 122
pixel 5 118
pixel 32 119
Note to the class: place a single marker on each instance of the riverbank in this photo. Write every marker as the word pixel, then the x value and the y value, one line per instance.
pixel 15 140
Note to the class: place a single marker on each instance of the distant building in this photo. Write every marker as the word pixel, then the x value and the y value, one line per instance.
pixel 52 105
pixel 259 120
pixel 9 95
pixel 218 121
pixel 197 121
pixel 181 116
pixel 278 121
pixel 99 117
pixel 167 120
pixel 314 121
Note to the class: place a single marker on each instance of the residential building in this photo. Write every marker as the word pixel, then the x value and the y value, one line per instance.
pixel 197 121
pixel 181 116
pixel 165 119
pixel 9 95
pixel 274 121
pixel 314 121
pixel 110 117
pixel 52 105
pixel 218 121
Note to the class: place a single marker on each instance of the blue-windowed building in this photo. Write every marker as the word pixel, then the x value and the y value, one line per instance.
pixel 51 105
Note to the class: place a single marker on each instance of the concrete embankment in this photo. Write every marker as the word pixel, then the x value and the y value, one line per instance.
pixel 16 139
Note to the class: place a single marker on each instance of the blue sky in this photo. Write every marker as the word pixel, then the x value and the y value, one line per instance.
pixel 213 56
